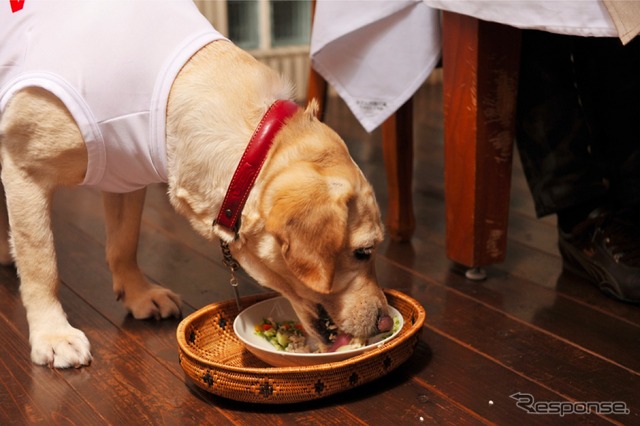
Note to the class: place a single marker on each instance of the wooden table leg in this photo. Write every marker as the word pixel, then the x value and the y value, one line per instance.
pixel 480 81
pixel 397 145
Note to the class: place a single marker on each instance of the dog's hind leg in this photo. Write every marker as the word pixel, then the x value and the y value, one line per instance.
pixel 123 214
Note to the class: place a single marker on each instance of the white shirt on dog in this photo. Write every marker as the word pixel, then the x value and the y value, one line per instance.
pixel 112 64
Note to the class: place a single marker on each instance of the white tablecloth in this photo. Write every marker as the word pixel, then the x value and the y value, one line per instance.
pixel 377 53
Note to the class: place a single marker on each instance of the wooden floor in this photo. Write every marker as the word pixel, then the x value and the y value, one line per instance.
pixel 528 329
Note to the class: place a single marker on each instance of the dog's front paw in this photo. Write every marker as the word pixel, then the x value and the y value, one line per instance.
pixel 68 347
pixel 154 302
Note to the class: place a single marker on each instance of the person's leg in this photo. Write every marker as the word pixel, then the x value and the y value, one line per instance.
pixel 578 132
pixel 553 135
pixel 608 80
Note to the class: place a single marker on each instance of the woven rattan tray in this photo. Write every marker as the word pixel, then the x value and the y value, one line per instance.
pixel 215 360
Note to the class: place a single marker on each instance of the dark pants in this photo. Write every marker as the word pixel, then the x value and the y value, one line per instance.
pixel 578 120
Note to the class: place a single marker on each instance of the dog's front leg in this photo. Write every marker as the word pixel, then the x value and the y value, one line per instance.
pixel 54 341
pixel 123 213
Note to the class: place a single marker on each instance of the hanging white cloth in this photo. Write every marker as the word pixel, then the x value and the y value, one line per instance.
pixel 376 53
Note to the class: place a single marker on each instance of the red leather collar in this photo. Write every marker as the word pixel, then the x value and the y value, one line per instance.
pixel 251 163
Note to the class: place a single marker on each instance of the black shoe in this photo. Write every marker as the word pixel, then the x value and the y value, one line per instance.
pixel 605 248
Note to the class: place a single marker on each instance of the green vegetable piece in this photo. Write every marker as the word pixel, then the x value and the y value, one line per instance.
pixel 283 338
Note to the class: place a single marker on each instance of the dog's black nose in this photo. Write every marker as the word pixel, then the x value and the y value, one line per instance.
pixel 385 323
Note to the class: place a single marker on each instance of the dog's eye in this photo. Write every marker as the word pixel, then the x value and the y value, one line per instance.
pixel 363 253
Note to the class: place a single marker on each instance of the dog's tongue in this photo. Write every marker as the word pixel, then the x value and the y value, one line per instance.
pixel 385 323
pixel 341 340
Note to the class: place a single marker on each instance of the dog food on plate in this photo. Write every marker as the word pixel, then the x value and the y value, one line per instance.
pixel 285 336
pixel 289 336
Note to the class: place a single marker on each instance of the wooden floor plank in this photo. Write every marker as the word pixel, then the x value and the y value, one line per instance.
pixel 540 356
pixel 482 385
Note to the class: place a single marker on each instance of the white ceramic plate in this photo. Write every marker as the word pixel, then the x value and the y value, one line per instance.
pixel 279 309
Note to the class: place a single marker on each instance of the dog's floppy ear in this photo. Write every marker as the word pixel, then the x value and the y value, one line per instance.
pixel 309 220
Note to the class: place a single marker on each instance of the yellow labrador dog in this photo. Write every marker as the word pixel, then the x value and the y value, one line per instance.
pixel 309 228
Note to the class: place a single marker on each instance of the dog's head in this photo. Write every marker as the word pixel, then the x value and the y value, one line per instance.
pixel 311 230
